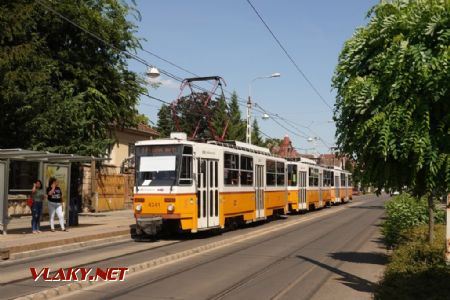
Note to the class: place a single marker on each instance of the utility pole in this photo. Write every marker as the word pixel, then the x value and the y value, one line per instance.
pixel 248 136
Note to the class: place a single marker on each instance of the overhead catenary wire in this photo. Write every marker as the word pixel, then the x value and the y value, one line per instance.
pixel 164 72
pixel 289 56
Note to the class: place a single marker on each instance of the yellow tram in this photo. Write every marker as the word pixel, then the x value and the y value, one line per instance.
pixel 193 186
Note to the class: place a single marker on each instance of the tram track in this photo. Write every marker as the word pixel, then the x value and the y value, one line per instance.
pixel 256 275
pixel 293 283
pixel 88 263
pixel 227 291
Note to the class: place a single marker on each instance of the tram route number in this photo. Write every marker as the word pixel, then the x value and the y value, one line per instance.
pixel 154 204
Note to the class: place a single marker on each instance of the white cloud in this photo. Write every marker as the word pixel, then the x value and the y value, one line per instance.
pixel 167 83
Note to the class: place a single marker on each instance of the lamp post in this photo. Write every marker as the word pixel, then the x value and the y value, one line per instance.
pixel 248 136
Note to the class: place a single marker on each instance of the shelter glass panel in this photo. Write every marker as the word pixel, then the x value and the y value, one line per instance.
pixel 22 174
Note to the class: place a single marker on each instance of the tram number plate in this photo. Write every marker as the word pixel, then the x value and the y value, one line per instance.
pixel 154 204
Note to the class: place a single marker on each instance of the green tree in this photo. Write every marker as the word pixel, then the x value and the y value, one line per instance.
pixel 142 119
pixel 165 123
pixel 237 127
pixel 392 109
pixel 256 135
pixel 219 120
pixel 273 144
pixel 60 88
pixel 192 112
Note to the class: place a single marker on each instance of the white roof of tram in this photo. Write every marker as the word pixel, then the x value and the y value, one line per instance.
pixel 228 144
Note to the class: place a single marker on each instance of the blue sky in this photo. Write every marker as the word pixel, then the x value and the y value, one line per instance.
pixel 227 39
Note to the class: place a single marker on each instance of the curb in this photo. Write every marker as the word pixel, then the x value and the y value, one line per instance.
pixel 71 246
pixel 28 250
pixel 154 263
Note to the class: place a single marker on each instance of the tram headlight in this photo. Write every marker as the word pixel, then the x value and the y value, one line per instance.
pixel 170 208
pixel 138 208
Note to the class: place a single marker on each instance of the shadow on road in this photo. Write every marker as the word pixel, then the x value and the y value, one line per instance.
pixel 350 280
pixel 361 257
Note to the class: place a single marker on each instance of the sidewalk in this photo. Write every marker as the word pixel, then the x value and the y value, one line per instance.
pixel 92 226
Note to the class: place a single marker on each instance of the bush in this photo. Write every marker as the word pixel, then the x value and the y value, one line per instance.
pixel 417 270
pixel 403 213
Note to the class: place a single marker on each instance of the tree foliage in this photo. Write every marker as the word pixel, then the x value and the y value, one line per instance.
pixel 237 127
pixel 256 135
pixel 60 88
pixel 191 111
pixel 219 120
pixel 214 118
pixel 393 109
pixel 165 123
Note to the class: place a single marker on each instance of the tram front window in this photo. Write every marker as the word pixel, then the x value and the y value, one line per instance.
pixel 157 165
pixel 156 171
pixel 156 178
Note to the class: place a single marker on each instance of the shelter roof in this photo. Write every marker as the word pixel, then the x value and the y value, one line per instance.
pixel 32 155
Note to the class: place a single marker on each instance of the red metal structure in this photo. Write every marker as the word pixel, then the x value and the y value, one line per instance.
pixel 217 82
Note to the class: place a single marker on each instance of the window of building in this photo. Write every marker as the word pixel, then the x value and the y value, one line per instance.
pixel 313 177
pixel 131 148
pixel 271 173
pixel 292 175
pixel 246 170
pixel 231 169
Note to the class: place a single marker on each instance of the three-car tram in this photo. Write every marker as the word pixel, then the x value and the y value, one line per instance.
pixel 193 186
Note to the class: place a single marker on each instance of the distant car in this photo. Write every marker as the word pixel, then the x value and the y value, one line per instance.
pixel 355 192
pixel 395 193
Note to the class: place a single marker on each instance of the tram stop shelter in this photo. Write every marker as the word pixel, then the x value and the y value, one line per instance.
pixel 19 168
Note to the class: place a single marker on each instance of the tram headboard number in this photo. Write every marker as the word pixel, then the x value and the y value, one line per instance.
pixel 154 204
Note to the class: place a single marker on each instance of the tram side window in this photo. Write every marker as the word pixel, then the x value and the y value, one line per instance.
pixel 331 178
pixel 280 174
pixel 313 177
pixel 231 169
pixel 292 175
pixel 350 180
pixel 246 170
pixel 342 180
pixel 327 178
pixel 270 172
pixel 186 166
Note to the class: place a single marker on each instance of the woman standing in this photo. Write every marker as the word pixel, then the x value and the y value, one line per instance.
pixel 54 195
pixel 37 194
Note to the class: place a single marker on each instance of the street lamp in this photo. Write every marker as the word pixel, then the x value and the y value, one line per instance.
pixel 152 72
pixel 248 136
pixel 265 116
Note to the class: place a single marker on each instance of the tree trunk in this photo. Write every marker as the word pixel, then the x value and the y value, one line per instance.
pixel 430 219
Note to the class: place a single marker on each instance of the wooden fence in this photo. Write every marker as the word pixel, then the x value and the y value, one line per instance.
pixel 114 192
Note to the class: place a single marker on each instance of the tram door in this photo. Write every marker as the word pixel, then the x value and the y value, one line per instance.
pixel 259 190
pixel 207 193
pixel 320 189
pixel 336 187
pixel 302 190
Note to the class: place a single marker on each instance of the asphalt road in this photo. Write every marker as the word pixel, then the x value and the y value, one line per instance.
pixel 333 256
